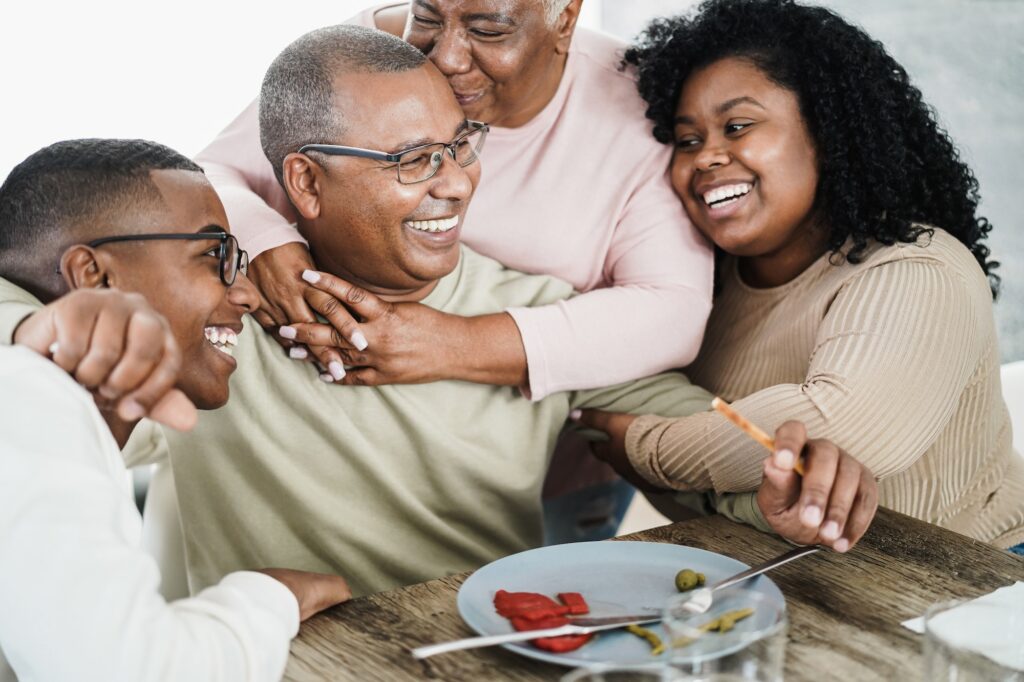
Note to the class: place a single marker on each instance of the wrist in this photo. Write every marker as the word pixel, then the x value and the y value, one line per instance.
pixel 486 349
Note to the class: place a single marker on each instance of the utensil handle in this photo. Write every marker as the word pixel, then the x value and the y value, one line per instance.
pixel 774 563
pixel 491 640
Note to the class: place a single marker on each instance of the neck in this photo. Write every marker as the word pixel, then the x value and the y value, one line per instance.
pixel 784 264
pixel 412 294
pixel 543 93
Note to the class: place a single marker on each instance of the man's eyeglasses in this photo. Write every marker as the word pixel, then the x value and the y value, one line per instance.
pixel 419 163
pixel 232 258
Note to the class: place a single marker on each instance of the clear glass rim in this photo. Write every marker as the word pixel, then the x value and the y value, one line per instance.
pixel 779 626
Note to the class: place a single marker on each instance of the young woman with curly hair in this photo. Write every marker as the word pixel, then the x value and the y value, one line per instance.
pixel 854 290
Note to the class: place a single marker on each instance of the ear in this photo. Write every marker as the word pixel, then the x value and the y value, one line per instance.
pixel 302 184
pixel 82 268
pixel 565 25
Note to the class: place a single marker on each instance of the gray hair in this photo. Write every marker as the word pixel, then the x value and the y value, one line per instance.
pixel 297 97
pixel 553 8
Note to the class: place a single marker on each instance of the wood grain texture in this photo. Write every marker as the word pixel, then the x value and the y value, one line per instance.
pixel 844 610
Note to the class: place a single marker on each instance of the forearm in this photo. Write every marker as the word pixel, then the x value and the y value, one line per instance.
pixel 486 349
pixel 610 336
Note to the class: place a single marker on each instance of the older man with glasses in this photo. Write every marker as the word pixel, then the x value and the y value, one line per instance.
pixel 574 186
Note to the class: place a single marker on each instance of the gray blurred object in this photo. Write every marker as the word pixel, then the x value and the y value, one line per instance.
pixel 967 57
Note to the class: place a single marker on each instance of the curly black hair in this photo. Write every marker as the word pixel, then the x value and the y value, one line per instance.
pixel 885 166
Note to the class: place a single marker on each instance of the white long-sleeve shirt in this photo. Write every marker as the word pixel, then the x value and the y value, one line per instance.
pixel 79 599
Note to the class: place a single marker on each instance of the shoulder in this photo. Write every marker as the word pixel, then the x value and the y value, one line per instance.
pixel 606 95
pixel 483 279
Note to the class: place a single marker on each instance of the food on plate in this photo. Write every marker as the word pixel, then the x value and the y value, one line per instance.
pixel 576 603
pixel 533 611
pixel 657 648
pixel 722 624
pixel 687 579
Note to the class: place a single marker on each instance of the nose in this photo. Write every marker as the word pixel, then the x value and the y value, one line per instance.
pixel 451 53
pixel 713 154
pixel 243 294
pixel 452 182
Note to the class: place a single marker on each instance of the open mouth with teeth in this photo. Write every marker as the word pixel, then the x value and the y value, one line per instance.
pixel 221 338
pixel 725 195
pixel 435 226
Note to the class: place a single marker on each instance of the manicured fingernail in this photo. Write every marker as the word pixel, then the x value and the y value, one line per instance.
pixel 327 378
pixel 108 392
pixel 336 370
pixel 130 410
pixel 784 459
pixel 54 347
pixel 287 332
pixel 358 340
pixel 575 415
pixel 830 531
pixel 311 276
pixel 841 545
pixel 298 353
pixel 811 515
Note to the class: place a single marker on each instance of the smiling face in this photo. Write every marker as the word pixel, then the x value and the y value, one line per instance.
pixel 502 58
pixel 362 224
pixel 181 280
pixel 745 165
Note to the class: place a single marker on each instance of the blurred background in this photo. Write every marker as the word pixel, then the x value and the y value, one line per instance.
pixel 179 72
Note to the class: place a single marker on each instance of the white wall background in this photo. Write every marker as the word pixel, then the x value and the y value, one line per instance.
pixel 178 71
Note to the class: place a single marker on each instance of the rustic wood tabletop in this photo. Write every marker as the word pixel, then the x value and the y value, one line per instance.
pixel 844 610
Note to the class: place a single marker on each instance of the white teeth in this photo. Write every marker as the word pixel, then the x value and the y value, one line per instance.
pixel 442 225
pixel 221 338
pixel 720 194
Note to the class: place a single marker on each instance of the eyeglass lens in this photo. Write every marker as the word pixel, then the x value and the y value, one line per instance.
pixel 421 164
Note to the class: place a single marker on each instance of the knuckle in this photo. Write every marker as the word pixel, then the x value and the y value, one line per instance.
pixel 355 295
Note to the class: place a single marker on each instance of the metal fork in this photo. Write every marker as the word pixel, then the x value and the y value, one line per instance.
pixel 699 602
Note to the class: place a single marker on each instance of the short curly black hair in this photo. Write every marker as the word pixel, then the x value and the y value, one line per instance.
pixel 885 166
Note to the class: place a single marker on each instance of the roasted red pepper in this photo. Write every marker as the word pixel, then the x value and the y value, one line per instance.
pixel 532 611
pixel 575 601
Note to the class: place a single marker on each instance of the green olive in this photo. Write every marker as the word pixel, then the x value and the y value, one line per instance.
pixel 687 579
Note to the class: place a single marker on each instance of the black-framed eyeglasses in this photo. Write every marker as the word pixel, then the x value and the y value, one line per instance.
pixel 418 163
pixel 232 258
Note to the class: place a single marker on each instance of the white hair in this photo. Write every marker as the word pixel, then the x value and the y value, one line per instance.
pixel 553 8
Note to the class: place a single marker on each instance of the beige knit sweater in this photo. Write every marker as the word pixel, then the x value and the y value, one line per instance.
pixel 895 359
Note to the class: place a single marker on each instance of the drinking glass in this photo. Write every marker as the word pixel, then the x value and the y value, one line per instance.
pixel 615 674
pixel 752 650
pixel 974 641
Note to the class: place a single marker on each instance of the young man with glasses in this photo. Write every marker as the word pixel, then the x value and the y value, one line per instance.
pixel 82 223
pixel 396 484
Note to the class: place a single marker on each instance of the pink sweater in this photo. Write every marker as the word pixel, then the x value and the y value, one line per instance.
pixel 580 192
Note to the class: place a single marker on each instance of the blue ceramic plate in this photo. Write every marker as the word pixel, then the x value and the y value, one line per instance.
pixel 614 577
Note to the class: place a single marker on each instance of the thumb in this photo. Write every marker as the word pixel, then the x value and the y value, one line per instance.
pixel 175 410
pixel 37 331
pixel 780 488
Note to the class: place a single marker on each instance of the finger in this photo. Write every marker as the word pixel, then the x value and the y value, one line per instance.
pixel 315 334
pixel 780 488
pixel 106 346
pixel 144 337
pixel 334 311
pixel 72 329
pixel 363 376
pixel 596 419
pixel 819 475
pixel 865 506
pixel 790 439
pixel 264 320
pixel 840 502
pixel 365 304
pixel 175 410
pixel 328 357
pixel 157 382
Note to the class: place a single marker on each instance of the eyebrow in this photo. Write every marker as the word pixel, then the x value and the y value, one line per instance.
pixel 723 107
pixel 419 142
pixel 213 229
pixel 496 17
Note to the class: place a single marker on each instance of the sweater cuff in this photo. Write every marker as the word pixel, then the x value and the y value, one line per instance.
pixel 270 594
pixel 538 374
pixel 642 448
pixel 271 238
pixel 13 315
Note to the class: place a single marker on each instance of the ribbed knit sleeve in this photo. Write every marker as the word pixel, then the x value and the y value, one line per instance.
pixel 890 361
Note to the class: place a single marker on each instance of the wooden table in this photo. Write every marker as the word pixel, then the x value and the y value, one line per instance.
pixel 844 610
